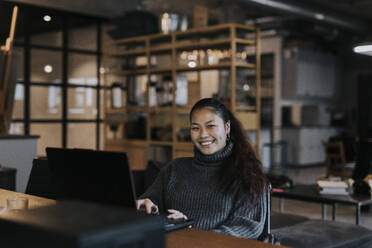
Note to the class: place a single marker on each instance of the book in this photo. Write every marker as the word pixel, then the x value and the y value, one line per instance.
pixel 332 184
pixel 334 191
pixel 333 187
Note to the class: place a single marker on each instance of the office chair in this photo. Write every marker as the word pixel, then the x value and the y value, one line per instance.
pixel 336 160
pixel 40 182
pixel 139 181
pixel 266 235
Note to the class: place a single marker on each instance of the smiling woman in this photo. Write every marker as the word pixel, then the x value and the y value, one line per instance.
pixel 222 187
pixel 209 133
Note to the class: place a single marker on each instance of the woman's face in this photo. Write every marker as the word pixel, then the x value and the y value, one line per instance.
pixel 208 131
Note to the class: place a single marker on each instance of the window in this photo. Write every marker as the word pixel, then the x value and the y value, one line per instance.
pixel 58 60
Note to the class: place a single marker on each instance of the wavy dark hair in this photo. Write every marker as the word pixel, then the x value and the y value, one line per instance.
pixel 243 167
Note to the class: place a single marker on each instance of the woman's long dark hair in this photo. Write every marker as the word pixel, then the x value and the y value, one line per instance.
pixel 242 166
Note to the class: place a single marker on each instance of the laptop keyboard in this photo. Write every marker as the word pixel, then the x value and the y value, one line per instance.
pixel 175 224
pixel 171 224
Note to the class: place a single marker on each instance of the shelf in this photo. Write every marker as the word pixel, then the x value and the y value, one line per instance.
pixel 152 109
pixel 127 72
pixel 183 145
pixel 161 143
pixel 134 72
pixel 160 70
pixel 245 42
pixel 224 65
pixel 128 108
pixel 245 27
pixel 199 44
pixel 159 49
pixel 116 110
pixel 136 39
pixel 229 39
pixel 213 29
pixel 160 109
pixel 135 52
pixel 247 108
pixel 180 46
pixel 133 108
pixel 183 110
pixel 190 32
pixel 245 65
pixel 126 142
pixel 211 43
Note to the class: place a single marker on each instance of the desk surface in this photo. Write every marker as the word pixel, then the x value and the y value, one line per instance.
pixel 188 237
pixel 311 193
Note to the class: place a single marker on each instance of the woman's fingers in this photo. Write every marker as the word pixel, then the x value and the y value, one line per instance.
pixel 147 205
pixel 175 214
pixel 139 203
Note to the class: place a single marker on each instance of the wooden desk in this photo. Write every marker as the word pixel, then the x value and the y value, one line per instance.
pixel 33 201
pixel 183 238
pixel 195 238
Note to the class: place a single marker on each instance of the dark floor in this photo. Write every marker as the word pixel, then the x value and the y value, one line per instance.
pixel 313 210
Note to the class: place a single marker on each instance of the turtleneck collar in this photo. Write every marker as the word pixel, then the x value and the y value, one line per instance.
pixel 213 159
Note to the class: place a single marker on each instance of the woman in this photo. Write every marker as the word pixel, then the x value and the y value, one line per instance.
pixel 222 187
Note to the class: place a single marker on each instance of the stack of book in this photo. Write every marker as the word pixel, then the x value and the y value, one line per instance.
pixel 333 187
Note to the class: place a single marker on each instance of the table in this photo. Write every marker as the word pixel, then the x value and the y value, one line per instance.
pixel 191 237
pixel 183 238
pixel 310 193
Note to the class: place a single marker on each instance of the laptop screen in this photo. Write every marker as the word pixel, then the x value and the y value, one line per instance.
pixel 95 176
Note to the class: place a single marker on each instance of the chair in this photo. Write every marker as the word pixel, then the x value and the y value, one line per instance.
pixel 336 160
pixel 139 181
pixel 40 182
pixel 266 235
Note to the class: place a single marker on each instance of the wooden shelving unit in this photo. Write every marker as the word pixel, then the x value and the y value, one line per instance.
pixel 139 63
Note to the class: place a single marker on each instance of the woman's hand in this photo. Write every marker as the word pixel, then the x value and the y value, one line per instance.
pixel 175 214
pixel 147 205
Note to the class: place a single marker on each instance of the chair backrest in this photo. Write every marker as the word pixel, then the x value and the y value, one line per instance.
pixel 266 235
pixel 335 159
pixel 139 181
pixel 40 182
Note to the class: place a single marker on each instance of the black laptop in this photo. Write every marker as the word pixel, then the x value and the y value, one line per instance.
pixel 96 176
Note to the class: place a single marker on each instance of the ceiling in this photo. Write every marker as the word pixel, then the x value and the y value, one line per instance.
pixel 328 22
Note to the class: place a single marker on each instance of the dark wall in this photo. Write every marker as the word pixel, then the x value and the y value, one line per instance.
pixel 353 66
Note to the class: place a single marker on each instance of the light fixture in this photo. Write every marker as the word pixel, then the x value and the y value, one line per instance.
pixel 48 68
pixel 102 70
pixel 191 64
pixel 363 48
pixel 319 16
pixel 47 18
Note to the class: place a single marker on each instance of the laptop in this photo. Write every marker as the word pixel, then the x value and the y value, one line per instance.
pixel 97 176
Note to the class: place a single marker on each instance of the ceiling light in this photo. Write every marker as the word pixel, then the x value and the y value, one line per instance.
pixel 47 18
pixel 319 16
pixel 365 48
pixel 48 68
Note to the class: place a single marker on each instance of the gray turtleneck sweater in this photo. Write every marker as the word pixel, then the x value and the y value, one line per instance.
pixel 189 185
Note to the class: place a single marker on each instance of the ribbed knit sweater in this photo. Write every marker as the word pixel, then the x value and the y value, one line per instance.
pixel 189 185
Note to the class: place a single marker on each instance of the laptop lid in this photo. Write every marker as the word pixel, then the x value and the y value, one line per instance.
pixel 95 176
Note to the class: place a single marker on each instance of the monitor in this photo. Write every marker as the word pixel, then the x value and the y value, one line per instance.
pixel 95 176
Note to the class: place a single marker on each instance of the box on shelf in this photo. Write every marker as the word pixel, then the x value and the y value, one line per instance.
pixel 200 16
